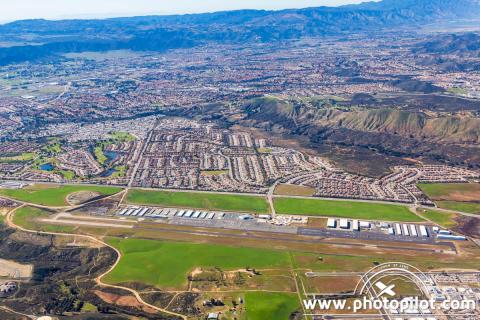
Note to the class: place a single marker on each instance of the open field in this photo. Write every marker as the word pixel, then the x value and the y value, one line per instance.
pixel 346 209
pixel 26 156
pixel 469 207
pixel 454 196
pixel 335 262
pixel 330 284
pixel 213 172
pixel 294 190
pixel 212 279
pixel 50 195
pixel 210 201
pixel 26 217
pixel 269 305
pixel 452 191
pixel 444 219
pixel 167 264
pixel 99 155
pixel 118 136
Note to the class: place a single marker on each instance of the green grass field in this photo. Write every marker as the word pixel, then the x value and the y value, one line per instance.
pixel 445 219
pixel 118 136
pixel 334 262
pixel 26 217
pixel 53 148
pixel 88 307
pixel 440 190
pixel 66 174
pixel 167 264
pixel 463 197
pixel 469 207
pixel 457 91
pixel 26 156
pixel 209 201
pixel 270 305
pixel 99 155
pixel 120 172
pixel 345 209
pixel 51 195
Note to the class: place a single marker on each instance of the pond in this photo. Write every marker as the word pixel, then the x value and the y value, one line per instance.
pixel 46 167
pixel 111 156
pixel 108 173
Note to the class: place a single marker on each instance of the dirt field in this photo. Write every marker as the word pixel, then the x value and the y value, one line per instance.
pixel 15 270
pixel 125 301
pixel 331 284
pixel 293 190
pixel 317 222
pixel 81 197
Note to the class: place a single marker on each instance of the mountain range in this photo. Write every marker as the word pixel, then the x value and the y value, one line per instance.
pixel 33 39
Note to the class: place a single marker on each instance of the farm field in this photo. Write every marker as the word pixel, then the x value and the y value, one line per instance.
pixel 167 264
pixel 463 197
pixel 271 305
pixel 209 201
pixel 51 195
pixel 345 209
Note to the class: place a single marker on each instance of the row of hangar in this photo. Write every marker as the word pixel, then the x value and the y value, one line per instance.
pixel 397 229
pixel 168 212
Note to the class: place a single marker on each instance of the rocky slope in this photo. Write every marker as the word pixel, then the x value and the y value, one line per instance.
pixel 449 129
pixel 401 134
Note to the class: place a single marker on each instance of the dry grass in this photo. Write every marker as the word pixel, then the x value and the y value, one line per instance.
pixel 294 190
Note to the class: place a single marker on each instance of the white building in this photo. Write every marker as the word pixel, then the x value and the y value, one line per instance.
pixel 331 223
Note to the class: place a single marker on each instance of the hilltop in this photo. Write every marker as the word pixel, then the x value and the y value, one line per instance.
pixel 34 39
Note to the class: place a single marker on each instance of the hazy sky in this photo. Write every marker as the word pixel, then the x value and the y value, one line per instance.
pixel 60 9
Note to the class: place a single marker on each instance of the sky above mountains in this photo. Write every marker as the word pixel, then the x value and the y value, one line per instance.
pixel 62 9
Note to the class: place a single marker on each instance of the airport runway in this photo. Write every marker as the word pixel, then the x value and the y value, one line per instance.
pixel 289 239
